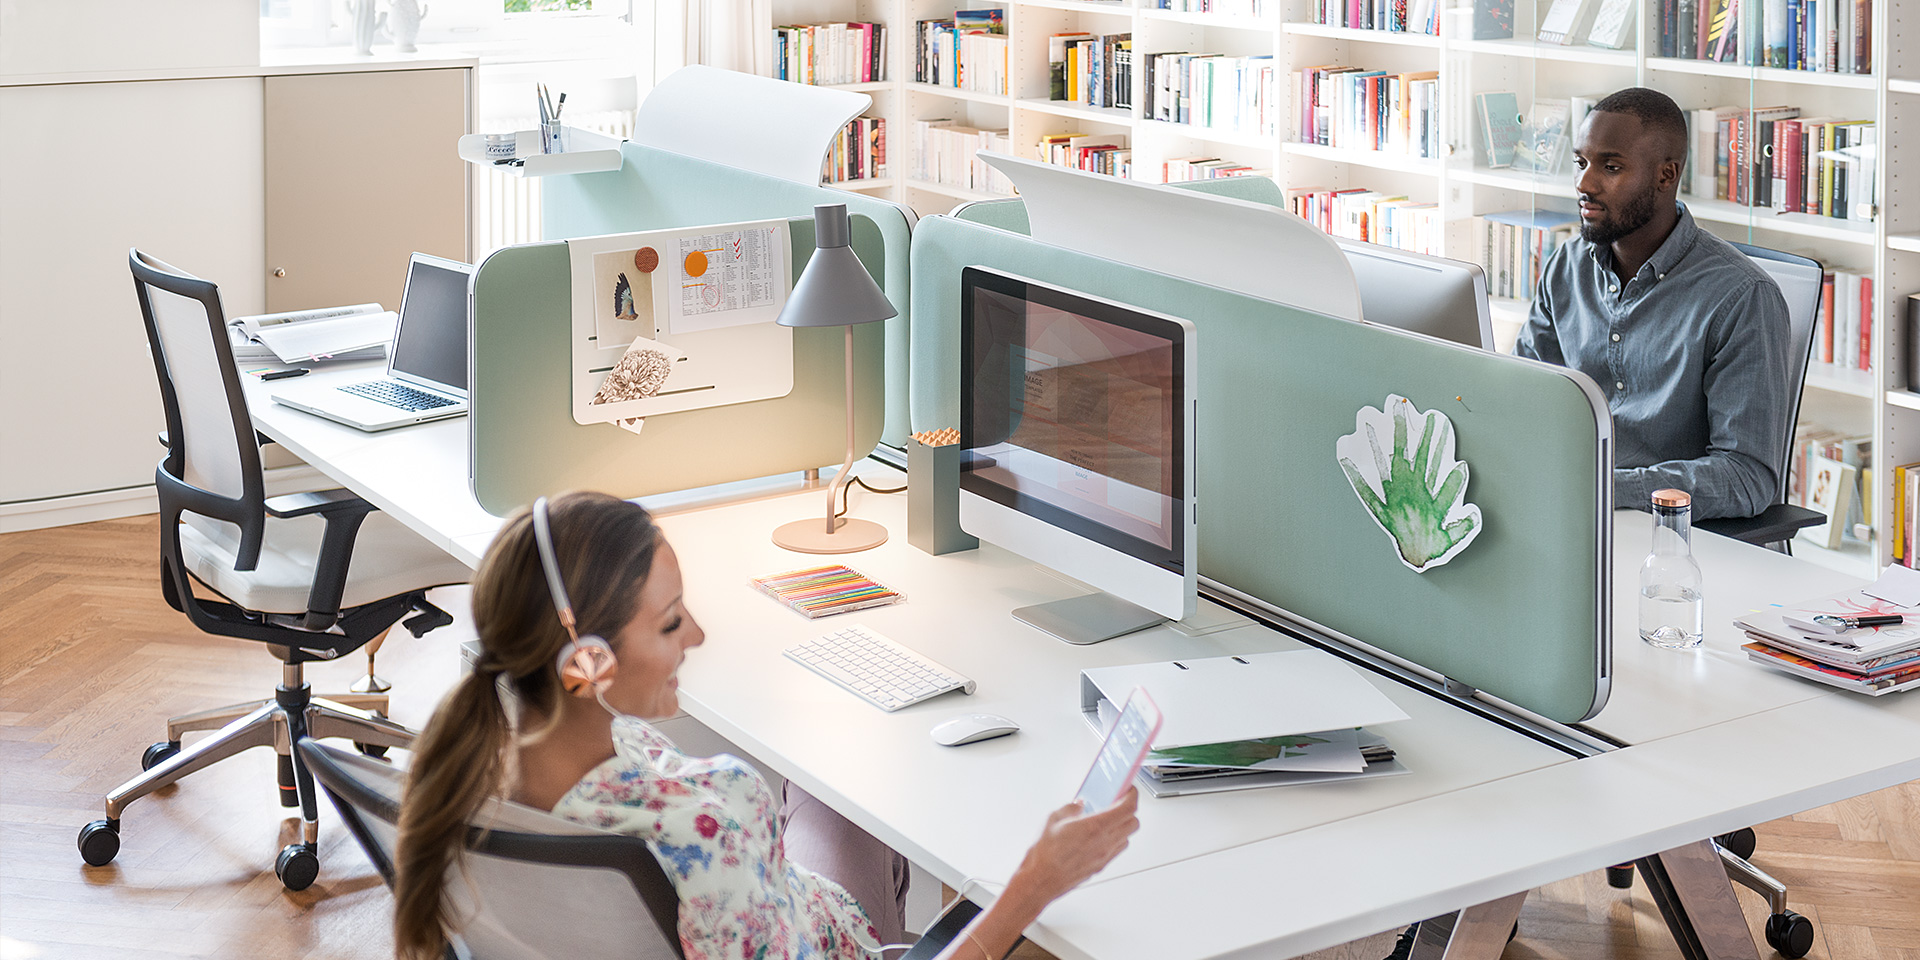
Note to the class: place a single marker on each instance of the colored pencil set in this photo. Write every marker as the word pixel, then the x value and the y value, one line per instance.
pixel 824 591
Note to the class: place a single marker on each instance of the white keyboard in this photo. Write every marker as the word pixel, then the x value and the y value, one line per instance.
pixel 876 669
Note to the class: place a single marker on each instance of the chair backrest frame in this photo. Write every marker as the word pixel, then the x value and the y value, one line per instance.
pixel 1803 322
pixel 627 855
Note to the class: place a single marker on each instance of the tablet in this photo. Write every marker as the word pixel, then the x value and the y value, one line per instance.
pixel 1120 756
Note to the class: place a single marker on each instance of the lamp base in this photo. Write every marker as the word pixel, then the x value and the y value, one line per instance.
pixel 810 536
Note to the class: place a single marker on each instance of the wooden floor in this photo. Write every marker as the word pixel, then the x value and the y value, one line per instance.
pixel 92 661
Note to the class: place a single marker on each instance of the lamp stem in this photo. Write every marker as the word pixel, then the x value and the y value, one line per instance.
pixel 840 479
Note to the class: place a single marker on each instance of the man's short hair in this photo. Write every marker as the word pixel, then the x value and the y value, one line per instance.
pixel 1657 113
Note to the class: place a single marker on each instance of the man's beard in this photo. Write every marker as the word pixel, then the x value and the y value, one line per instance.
pixel 1619 222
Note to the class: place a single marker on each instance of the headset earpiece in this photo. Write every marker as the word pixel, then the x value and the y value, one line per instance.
pixel 586 664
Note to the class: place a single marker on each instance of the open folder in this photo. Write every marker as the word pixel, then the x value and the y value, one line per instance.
pixel 1255 720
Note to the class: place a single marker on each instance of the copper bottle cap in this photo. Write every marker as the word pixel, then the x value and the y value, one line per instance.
pixel 1672 498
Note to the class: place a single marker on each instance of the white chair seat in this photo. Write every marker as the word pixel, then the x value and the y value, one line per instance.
pixel 388 560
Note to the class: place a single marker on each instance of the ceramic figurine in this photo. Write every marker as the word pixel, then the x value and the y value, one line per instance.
pixel 405 18
pixel 366 24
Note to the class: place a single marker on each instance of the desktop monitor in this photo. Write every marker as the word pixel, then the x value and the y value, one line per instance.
pixel 1077 437
pixel 1445 299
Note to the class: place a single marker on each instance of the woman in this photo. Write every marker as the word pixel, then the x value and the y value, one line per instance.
pixel 587 754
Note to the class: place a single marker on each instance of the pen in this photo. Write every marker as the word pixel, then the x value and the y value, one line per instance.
pixel 562 102
pixel 1865 620
pixel 285 374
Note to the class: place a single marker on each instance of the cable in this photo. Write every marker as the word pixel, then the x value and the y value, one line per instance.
pixel 843 493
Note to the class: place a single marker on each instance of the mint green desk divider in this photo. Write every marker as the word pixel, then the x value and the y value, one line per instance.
pixel 655 189
pixel 1522 614
pixel 525 442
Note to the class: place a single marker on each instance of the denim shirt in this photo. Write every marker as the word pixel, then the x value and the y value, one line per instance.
pixel 1691 353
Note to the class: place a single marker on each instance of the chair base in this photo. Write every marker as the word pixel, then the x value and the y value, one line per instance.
pixel 293 713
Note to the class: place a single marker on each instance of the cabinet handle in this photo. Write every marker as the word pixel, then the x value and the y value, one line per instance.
pixel 280 271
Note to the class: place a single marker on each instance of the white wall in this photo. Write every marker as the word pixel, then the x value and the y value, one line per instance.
pixel 79 36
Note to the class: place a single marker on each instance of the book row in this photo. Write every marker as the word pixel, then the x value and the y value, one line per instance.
pixel 826 53
pixel 859 152
pixel 968 52
pixel 1228 8
pixel 1206 168
pixel 1827 36
pixel 946 153
pixel 1825 470
pixel 1089 69
pixel 1396 16
pixel 1773 157
pixel 1513 246
pixel 1359 109
pixel 1361 214
pixel 1844 337
pixel 1212 90
pixel 1094 153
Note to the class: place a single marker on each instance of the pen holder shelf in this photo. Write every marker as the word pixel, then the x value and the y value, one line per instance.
pixel 584 152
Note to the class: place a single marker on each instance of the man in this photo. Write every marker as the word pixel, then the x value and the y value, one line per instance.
pixel 1687 338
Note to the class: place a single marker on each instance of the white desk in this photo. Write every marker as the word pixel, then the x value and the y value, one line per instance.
pixel 1486 813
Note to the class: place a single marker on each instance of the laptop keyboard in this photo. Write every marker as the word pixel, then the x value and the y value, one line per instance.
pixel 398 395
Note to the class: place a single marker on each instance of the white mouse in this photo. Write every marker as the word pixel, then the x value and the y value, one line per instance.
pixel 971 728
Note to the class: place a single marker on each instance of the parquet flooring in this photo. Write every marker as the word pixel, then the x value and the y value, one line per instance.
pixel 92 661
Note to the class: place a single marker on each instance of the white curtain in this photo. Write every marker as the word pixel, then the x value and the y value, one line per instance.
pixel 729 34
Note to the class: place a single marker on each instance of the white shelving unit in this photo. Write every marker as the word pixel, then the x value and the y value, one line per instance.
pixel 1854 402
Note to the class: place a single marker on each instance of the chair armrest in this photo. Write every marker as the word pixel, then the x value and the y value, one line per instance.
pixel 1775 523
pixel 317 501
pixel 943 931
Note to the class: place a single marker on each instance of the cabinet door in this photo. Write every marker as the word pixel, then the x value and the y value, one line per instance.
pixel 172 167
pixel 362 169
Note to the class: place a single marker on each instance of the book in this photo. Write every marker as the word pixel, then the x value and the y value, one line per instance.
pixel 1499 126
pixel 1543 141
pixel 1612 26
pixel 1830 486
pixel 1567 21
pixel 824 591
pixel 1492 19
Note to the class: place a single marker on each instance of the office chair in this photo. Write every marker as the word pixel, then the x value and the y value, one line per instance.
pixel 1799 279
pixel 312 576
pixel 535 885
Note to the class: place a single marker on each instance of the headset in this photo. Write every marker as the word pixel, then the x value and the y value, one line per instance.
pixel 586 664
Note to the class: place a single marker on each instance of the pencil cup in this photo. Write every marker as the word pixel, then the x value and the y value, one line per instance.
pixel 933 499
pixel 552 137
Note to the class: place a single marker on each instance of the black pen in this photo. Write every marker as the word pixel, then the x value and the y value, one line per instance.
pixel 285 374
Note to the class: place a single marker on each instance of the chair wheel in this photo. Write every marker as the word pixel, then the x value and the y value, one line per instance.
pixel 1740 843
pixel 99 842
pixel 1790 934
pixel 297 866
pixel 378 751
pixel 1620 877
pixel 159 753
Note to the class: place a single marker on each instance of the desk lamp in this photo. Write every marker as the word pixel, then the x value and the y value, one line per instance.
pixel 834 291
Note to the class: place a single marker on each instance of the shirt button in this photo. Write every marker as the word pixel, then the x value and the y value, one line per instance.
pixel 1619 384
pixel 1616 338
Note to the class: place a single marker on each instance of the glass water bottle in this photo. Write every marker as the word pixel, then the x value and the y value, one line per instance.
pixel 1670 606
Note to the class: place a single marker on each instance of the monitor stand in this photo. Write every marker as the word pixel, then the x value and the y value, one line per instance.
pixel 1089 619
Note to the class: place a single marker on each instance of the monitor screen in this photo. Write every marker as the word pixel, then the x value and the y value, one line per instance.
pixel 1069 413
pixel 431 343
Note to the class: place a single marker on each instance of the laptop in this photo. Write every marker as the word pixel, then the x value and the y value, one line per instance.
pixel 426 369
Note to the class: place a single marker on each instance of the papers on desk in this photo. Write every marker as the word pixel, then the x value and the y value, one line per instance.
pixel 1257 720
pixel 1869 660
pixel 358 332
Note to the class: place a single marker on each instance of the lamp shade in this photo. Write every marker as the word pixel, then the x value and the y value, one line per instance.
pixel 835 289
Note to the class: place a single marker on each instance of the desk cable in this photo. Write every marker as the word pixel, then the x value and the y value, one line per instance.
pixel 870 487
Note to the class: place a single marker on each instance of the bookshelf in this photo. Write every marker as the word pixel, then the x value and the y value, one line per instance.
pixel 1459 182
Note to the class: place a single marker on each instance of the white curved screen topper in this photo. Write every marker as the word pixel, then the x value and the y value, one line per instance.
pixel 767 126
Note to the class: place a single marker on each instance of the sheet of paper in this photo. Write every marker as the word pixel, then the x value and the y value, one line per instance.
pixel 1899 585
pixel 728 278
pixel 1333 751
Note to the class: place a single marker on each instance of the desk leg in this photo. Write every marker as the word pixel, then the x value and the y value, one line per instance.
pixel 1476 933
pixel 1690 886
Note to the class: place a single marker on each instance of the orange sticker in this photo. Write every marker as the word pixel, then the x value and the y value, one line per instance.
pixel 646 259
pixel 696 264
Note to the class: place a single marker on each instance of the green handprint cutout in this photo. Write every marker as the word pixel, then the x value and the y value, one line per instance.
pixel 1428 518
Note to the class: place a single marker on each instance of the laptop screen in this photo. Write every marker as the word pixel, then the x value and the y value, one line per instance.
pixel 431 344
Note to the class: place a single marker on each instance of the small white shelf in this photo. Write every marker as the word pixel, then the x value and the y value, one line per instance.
pixel 1078 111
pixel 1904 86
pixel 1904 398
pixel 1227 21
pixel 1762 218
pixel 959 193
pixel 1547 185
pixel 587 152
pixel 871 86
pixel 959 94
pixel 1908 243
pixel 1535 50
pixel 1850 382
pixel 869 183
pixel 1377 159
pixel 1256 141
pixel 1112 8
pixel 1735 71
pixel 1396 37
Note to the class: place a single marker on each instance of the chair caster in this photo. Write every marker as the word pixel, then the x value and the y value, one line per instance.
pixel 378 751
pixel 1740 843
pixel 297 866
pixel 1790 934
pixel 159 753
pixel 1620 877
pixel 100 842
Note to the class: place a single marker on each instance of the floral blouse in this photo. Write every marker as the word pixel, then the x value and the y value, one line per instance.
pixel 715 828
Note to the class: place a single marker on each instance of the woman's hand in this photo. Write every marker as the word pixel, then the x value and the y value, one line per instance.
pixel 1074 846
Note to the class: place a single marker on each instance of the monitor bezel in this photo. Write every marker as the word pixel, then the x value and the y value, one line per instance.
pixel 418 259
pixel 1176 332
